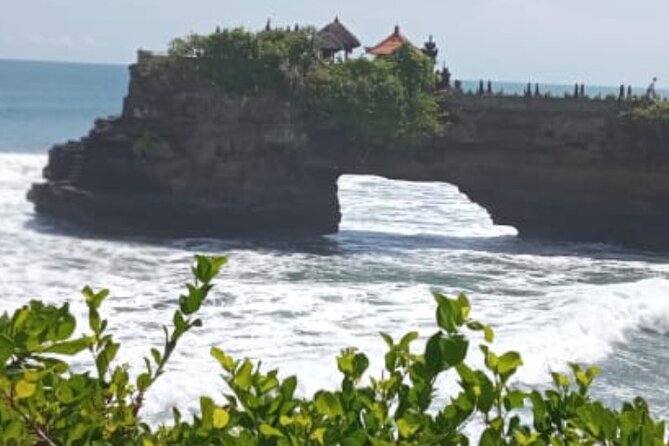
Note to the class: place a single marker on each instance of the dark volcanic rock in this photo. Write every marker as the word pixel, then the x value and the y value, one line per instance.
pixel 184 159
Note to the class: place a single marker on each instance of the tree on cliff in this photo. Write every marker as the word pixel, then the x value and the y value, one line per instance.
pixel 243 62
pixel 391 98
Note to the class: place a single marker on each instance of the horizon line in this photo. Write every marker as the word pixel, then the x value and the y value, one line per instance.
pixel 504 81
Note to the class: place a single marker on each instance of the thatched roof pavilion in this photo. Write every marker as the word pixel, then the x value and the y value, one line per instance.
pixel 334 38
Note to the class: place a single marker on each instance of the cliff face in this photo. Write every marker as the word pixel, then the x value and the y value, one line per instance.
pixel 186 159
pixel 562 169
pixel 570 170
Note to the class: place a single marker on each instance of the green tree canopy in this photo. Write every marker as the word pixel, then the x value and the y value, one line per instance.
pixel 390 98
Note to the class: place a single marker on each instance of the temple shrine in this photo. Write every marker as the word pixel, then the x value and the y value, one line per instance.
pixel 390 44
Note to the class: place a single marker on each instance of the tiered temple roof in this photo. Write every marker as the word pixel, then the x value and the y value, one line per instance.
pixel 335 37
pixel 390 44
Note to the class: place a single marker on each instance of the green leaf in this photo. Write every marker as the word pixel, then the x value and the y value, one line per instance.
pixel 465 306
pixel 488 334
pixel 66 326
pixel 143 381
pixel 508 363
pixel 93 299
pixel 78 432
pixel 94 320
pixel 514 400
pixel 538 406
pixel 406 428
pixel 64 393
pixel 207 409
pixel 407 339
pixel 560 379
pixel 156 355
pixel 243 377
pixel 443 352
pixel 224 360
pixel 345 362
pixel 446 316
pixel 360 364
pixel 486 392
pixel 357 438
pixel 476 326
pixel 387 339
pixel 6 348
pixel 390 360
pixel 490 437
pixel 191 303
pixel 105 358
pixel 490 358
pixel 180 325
pixel 206 268
pixel 270 431
pixel 221 418
pixel 288 387
pixel 70 347
pixel 318 435
pixel 148 366
pixel 328 404
pixel 25 389
pixel 433 357
pixel 454 349
pixel 352 364
pixel 593 372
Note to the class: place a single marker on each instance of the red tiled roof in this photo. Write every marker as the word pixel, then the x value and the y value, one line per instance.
pixel 390 44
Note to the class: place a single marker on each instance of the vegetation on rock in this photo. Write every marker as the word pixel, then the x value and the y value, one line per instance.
pixel 244 62
pixel 44 401
pixel 650 111
pixel 389 98
pixel 146 143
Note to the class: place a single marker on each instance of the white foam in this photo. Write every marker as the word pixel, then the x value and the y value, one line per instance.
pixel 586 323
pixel 295 306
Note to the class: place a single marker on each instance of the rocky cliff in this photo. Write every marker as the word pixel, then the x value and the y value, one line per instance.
pixel 186 159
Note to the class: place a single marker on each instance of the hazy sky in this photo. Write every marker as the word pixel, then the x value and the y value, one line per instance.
pixel 594 41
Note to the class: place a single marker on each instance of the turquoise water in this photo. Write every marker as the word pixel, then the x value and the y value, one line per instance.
pixel 294 303
pixel 42 103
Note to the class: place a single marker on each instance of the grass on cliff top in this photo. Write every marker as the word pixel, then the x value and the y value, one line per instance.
pixel 391 98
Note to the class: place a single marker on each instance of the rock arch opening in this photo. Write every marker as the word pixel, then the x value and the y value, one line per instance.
pixel 375 204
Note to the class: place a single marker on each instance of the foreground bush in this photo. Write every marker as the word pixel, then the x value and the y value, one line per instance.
pixel 44 402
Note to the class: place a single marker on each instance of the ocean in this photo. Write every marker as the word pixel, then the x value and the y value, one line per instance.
pixel 295 303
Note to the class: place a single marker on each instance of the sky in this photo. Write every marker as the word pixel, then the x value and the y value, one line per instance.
pixel 598 42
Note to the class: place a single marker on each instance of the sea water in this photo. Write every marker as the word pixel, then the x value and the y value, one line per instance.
pixel 294 303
